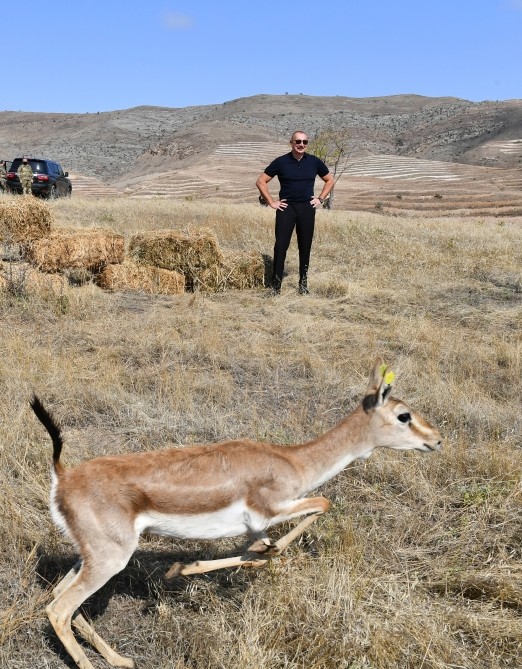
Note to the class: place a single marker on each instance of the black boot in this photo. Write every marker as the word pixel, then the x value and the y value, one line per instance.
pixel 303 286
pixel 276 286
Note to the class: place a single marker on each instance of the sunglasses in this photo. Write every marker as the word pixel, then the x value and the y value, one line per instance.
pixel 300 141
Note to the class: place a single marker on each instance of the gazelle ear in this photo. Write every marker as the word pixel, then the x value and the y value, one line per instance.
pixel 379 386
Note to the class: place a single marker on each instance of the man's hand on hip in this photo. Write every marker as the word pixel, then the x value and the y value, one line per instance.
pixel 279 204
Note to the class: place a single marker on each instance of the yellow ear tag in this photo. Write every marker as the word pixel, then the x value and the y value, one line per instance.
pixel 382 369
pixel 389 378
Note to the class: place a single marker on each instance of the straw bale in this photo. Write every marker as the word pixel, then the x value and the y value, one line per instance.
pixel 209 280
pixel 198 257
pixel 174 250
pixel 23 279
pixel 244 269
pixel 24 219
pixel 237 270
pixel 44 284
pixel 130 275
pixel 76 248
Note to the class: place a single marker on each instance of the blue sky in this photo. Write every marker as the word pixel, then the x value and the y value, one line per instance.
pixel 101 56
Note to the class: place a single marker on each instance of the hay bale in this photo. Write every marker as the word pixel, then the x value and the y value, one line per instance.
pixel 45 285
pixel 238 270
pixel 244 269
pixel 188 254
pixel 130 275
pixel 24 219
pixel 76 248
pixel 22 279
pixel 198 257
pixel 209 280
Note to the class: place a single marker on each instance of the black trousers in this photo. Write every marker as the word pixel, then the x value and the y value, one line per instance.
pixel 301 216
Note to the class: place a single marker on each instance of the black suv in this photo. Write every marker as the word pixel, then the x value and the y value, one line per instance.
pixel 49 180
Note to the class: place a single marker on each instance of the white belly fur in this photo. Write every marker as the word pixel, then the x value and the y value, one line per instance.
pixel 230 521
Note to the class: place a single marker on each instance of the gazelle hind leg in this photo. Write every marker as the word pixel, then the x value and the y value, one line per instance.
pixel 72 591
pixel 86 630
pixel 315 506
pixel 91 636
pixel 66 580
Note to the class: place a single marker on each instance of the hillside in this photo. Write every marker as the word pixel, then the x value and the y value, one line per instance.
pixel 399 148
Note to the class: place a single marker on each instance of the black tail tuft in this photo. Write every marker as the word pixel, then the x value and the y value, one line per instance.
pixel 51 426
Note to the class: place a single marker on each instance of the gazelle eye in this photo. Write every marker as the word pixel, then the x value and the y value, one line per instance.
pixel 404 417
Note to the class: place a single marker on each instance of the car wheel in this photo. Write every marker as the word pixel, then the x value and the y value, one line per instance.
pixel 52 193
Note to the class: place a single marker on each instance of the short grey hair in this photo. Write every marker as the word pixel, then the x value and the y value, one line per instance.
pixel 298 131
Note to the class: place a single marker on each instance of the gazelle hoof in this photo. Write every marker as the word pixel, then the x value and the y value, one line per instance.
pixel 175 570
pixel 264 547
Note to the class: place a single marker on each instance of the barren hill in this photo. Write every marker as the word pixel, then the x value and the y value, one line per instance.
pixel 404 148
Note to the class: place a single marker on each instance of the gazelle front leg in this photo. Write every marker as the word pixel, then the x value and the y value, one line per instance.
pixel 315 507
pixel 260 551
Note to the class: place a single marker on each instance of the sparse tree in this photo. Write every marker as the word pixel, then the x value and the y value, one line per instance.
pixel 332 147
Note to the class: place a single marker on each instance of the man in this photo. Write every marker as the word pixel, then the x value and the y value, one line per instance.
pixel 25 174
pixel 296 205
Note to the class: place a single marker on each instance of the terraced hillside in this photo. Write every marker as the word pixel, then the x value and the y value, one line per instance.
pixel 229 173
pixel 373 183
pixel 85 186
pixel 393 184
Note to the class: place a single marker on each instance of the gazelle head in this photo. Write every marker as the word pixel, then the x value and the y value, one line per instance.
pixel 392 423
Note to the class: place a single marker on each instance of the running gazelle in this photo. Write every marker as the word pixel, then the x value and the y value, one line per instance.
pixel 206 492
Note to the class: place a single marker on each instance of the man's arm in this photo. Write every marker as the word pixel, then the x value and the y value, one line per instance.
pixel 329 183
pixel 262 186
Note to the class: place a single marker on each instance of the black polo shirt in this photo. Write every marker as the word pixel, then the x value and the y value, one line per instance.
pixel 296 177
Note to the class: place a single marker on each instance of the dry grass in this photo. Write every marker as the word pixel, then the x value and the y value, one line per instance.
pixel 417 566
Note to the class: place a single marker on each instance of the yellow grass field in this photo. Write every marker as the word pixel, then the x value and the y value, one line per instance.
pixel 419 563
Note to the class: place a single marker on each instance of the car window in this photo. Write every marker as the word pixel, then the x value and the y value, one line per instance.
pixel 38 166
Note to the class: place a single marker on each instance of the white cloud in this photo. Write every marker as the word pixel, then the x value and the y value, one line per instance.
pixel 176 21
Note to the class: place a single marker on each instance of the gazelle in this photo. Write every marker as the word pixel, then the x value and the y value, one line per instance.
pixel 205 492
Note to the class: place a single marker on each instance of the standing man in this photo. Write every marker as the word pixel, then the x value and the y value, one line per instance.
pixel 25 174
pixel 296 205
